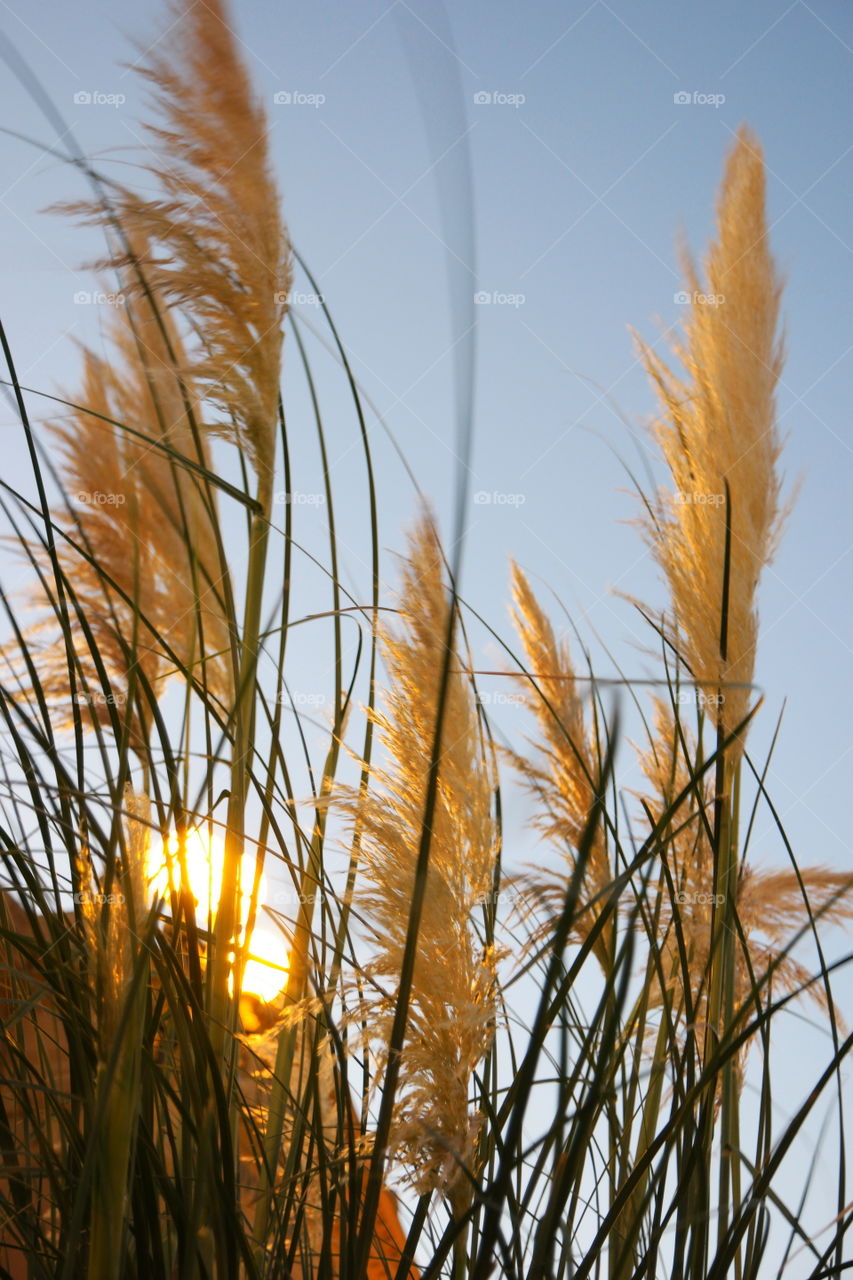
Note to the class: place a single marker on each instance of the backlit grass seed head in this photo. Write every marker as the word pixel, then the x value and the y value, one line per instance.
pixel 176 513
pixel 147 572
pixel 453 1003
pixel 216 245
pixel 717 428
pixel 562 773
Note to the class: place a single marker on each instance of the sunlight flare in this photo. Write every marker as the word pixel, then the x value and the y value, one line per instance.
pixel 265 971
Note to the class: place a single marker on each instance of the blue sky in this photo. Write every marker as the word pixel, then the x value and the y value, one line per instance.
pixel 585 169
pixel 580 192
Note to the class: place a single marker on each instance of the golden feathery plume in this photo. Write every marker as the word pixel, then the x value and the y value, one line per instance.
pixel 452 1011
pixel 564 774
pixel 148 574
pixel 216 245
pixel 717 433
pixel 770 905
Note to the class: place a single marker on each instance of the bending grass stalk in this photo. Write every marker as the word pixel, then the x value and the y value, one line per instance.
pixel 721 979
pixel 222 1007
pixel 730 1182
pixel 226 923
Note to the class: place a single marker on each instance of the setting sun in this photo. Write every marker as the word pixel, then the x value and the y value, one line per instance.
pixel 265 970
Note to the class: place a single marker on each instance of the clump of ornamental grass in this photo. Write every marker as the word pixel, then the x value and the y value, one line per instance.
pixel 720 933
pixel 452 1007
pixel 204 266
pixel 141 1130
pixel 712 533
